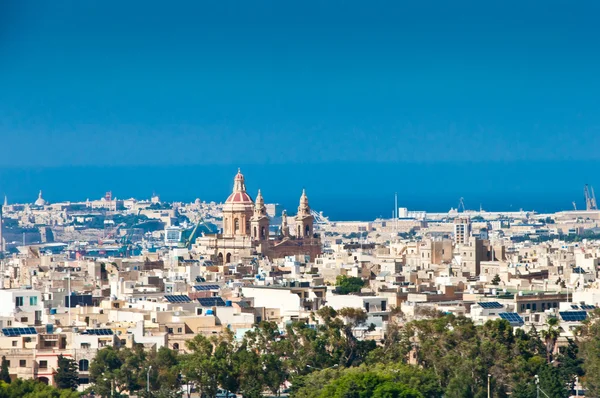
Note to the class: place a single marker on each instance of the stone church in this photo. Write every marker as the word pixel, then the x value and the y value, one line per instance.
pixel 246 230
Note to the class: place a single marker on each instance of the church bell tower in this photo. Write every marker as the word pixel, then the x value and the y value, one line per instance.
pixel 304 218
pixel 259 223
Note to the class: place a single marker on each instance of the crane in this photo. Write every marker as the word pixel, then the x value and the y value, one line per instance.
pixel 461 204
pixel 574 206
pixel 190 239
pixel 590 198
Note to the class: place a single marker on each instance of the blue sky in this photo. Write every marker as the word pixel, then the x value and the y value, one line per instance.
pixel 263 82
pixel 497 102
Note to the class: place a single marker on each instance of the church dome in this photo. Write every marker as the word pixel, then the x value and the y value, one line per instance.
pixel 40 201
pixel 239 195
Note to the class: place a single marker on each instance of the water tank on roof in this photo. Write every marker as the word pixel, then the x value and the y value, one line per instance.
pixel 49 328
pixel 52 311
pixel 228 303
pixel 209 312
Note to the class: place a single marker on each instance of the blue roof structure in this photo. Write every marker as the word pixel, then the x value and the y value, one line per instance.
pixel 180 298
pixel 490 304
pixel 206 287
pixel 99 332
pixel 573 316
pixel 18 331
pixel 513 318
pixel 211 302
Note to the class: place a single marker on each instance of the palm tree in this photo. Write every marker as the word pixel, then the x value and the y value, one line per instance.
pixel 550 336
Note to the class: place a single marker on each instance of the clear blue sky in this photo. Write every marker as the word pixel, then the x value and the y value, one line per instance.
pixel 165 83
pixel 498 102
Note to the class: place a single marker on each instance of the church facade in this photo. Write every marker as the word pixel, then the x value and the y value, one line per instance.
pixel 246 226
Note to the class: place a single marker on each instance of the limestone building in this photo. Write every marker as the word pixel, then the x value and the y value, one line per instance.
pixel 246 227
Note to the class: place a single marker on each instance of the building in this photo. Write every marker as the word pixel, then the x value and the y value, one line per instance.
pixel 462 230
pixel 246 226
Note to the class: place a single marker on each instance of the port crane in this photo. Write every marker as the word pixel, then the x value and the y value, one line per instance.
pixel 461 205
pixel 590 198
pixel 188 241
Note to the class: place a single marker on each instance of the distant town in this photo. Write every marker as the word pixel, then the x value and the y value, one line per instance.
pixel 86 280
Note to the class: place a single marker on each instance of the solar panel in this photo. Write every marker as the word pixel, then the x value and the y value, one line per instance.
pixel 575 307
pixel 588 307
pixel 182 298
pixel 513 318
pixel 573 316
pixel 211 302
pixel 100 332
pixel 490 304
pixel 18 331
pixel 206 287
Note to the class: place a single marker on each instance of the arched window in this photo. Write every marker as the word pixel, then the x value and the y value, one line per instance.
pixel 299 234
pixel 228 258
pixel 262 233
pixel 176 346
pixel 236 225
pixel 307 232
pixel 255 233
pixel 84 365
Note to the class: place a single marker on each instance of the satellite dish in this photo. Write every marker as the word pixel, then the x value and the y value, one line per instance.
pixel 53 317
pixel 58 330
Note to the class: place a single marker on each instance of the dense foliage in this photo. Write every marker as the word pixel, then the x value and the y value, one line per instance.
pixel 67 375
pixel 33 389
pixel 445 356
pixel 348 284
pixel 4 371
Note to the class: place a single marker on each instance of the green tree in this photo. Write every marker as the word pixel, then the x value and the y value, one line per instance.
pixel 66 376
pixel 551 383
pixel 33 389
pixel 550 335
pixel 346 285
pixel 4 372
pixel 200 366
pixel 114 371
pixel 589 352
pixel 496 280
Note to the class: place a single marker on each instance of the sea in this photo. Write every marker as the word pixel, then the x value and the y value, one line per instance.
pixel 342 191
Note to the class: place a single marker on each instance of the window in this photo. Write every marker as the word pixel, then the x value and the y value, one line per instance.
pixel 19 301
pixel 43 364
pixel 84 380
pixel 175 346
pixel 14 343
pixel 179 330
pixel 84 365
pixel 170 330
pixel 33 300
pixel 22 363
pixel 24 319
pixel 85 346
pixel 9 323
pixel 383 305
